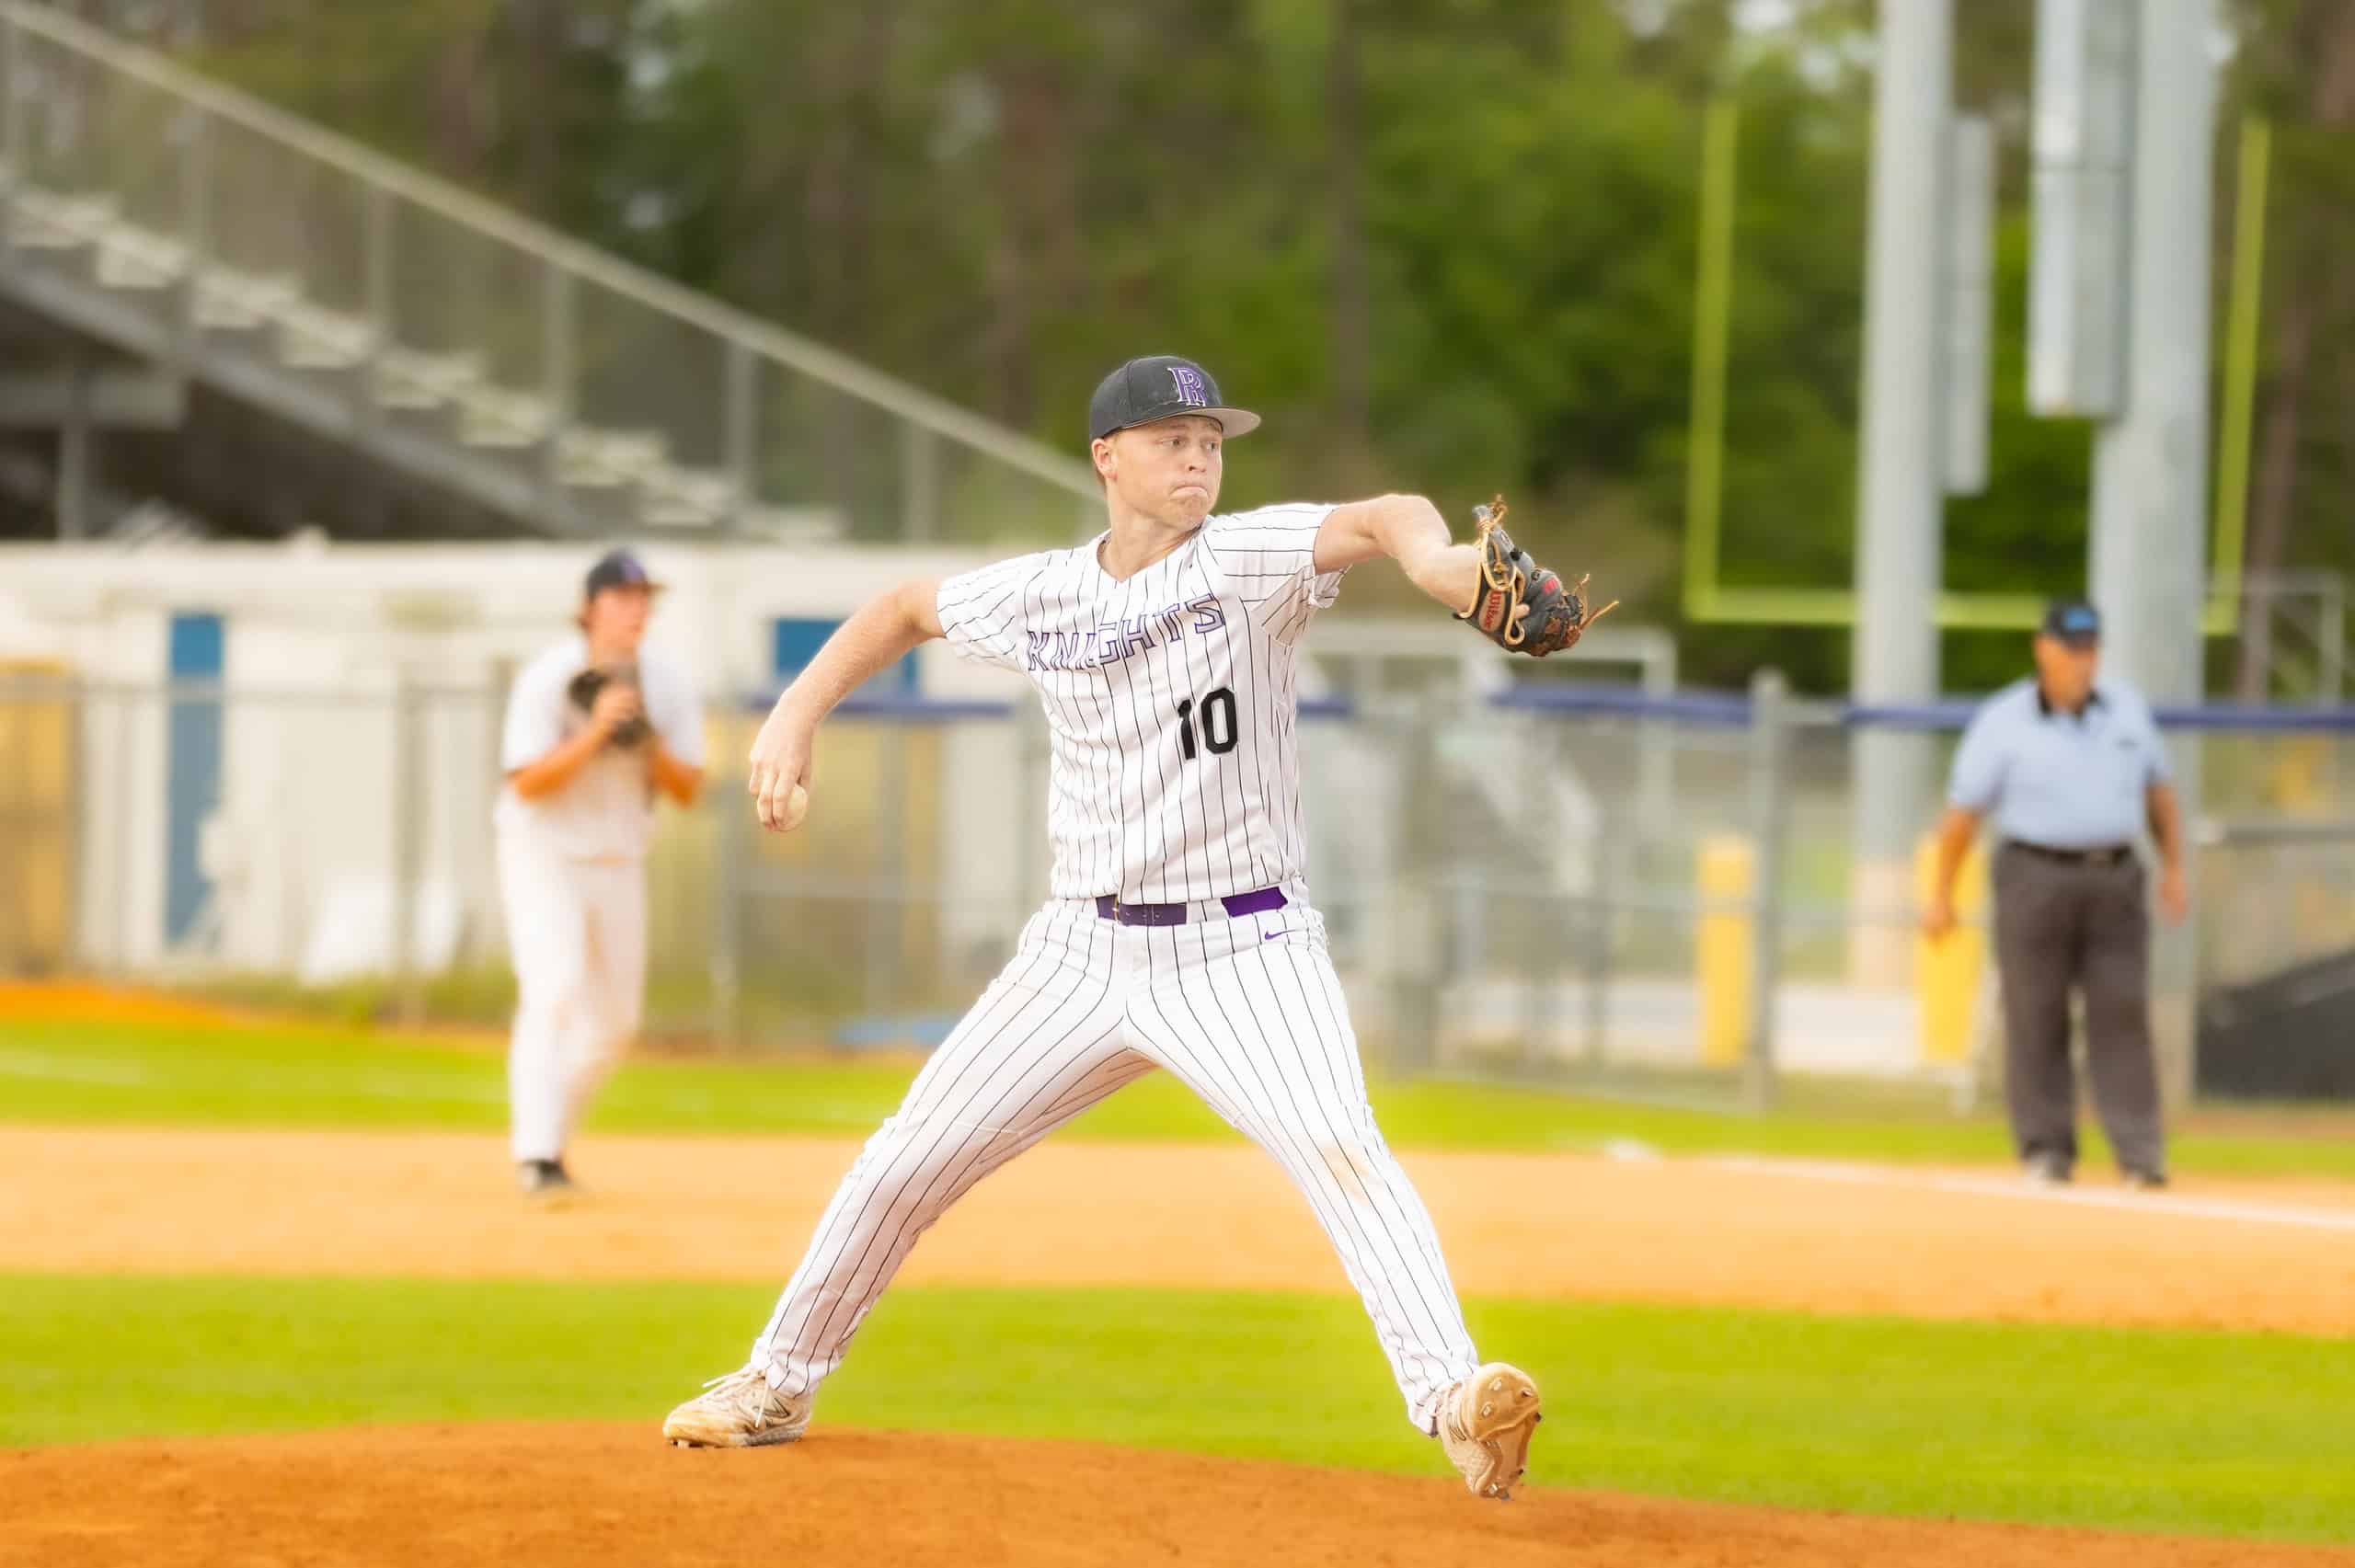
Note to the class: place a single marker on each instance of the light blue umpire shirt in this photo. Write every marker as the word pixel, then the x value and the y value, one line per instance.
pixel 2064 781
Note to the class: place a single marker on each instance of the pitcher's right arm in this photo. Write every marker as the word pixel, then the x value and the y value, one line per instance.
pixel 883 631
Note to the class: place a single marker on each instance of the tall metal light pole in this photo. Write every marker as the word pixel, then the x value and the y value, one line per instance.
pixel 2148 568
pixel 2118 325
pixel 2149 557
pixel 1901 465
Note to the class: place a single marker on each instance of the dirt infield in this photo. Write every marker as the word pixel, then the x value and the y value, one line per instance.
pixel 94 1002
pixel 259 1202
pixel 1921 1244
pixel 600 1496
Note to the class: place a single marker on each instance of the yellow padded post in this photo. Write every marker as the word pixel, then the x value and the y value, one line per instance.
pixel 1727 875
pixel 1947 973
pixel 37 789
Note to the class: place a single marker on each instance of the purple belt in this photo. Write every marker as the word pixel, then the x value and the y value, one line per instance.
pixel 1258 903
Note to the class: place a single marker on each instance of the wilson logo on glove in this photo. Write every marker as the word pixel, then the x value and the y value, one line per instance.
pixel 1520 606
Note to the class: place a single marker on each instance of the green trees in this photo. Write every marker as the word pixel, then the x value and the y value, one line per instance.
pixel 1446 243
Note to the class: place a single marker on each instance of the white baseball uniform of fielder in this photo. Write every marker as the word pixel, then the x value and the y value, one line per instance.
pixel 1175 780
pixel 572 874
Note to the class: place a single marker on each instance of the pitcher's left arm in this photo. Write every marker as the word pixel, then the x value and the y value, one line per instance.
pixel 1491 582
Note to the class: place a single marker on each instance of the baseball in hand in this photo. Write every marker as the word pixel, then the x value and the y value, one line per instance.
pixel 796 807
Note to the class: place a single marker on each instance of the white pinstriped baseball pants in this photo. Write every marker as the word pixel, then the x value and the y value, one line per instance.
pixel 1246 1011
pixel 576 928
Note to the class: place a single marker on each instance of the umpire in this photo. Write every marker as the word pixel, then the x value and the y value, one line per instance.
pixel 2072 769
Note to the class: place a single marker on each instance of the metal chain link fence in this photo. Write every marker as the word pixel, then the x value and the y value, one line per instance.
pixel 1653 896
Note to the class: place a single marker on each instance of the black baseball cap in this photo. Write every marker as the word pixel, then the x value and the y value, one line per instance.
pixel 1157 388
pixel 2073 621
pixel 616 569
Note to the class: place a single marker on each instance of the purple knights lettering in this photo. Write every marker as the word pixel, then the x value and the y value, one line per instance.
pixel 1190 390
pixel 1112 641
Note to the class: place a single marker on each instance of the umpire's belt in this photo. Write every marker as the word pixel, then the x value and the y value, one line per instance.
pixel 2103 854
pixel 1258 903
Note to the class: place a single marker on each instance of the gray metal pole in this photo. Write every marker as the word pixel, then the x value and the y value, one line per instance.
pixel 1769 815
pixel 559 348
pixel 2331 636
pixel 2150 506
pixel 1901 452
pixel 737 853
pixel 126 727
pixel 13 136
pixel 376 293
pixel 1414 922
pixel 919 483
pixel 409 846
pixel 76 437
pixel 740 421
pixel 2149 557
pixel 1969 301
pixel 1599 928
pixel 1656 745
pixel 886 876
pixel 196 233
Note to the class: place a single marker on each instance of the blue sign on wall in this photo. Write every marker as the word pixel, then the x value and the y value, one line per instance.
pixel 192 768
pixel 795 641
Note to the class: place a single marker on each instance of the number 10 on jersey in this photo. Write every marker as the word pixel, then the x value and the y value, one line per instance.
pixel 1218 725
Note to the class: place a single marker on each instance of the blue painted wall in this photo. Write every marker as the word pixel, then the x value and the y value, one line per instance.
pixel 795 641
pixel 192 777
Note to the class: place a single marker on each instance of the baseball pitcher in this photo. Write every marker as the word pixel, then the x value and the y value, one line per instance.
pixel 1179 933
pixel 596 729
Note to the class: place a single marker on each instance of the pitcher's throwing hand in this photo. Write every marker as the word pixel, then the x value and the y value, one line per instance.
pixel 779 770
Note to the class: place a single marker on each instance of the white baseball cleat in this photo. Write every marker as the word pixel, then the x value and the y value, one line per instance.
pixel 738 1410
pixel 1485 1425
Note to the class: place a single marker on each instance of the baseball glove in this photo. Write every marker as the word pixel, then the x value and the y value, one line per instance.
pixel 583 689
pixel 1556 616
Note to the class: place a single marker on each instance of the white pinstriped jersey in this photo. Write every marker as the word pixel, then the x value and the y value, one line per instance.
pixel 1170 700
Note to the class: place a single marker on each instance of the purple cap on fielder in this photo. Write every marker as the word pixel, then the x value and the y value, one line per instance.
pixel 1158 387
pixel 616 569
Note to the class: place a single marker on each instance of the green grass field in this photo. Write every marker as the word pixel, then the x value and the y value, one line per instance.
pixel 2194 1432
pixel 330 1076
pixel 2206 1433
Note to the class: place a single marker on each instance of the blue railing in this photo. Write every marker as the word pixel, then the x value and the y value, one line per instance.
pixel 1723 709
pixel 903 707
pixel 1733 708
pixel 909 707
pixel 1689 707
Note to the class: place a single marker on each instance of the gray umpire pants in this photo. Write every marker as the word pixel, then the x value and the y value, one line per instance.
pixel 2061 926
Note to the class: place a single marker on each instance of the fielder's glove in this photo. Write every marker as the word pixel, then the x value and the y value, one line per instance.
pixel 631 731
pixel 1556 616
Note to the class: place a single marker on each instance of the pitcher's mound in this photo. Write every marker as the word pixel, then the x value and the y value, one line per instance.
pixel 586 1496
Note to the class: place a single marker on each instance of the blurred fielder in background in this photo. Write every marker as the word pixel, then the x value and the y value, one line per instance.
pixel 595 729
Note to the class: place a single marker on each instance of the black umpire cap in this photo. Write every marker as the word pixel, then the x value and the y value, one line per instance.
pixel 2073 621
pixel 616 569
pixel 1157 388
